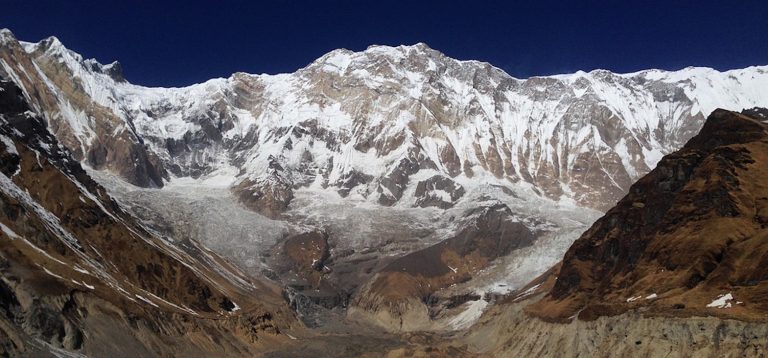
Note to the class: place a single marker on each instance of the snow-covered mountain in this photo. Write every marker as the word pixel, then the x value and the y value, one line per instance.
pixel 392 125
pixel 398 167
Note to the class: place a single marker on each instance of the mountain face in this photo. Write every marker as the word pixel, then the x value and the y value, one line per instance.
pixel 78 273
pixel 378 124
pixel 689 238
pixel 393 186
pixel 676 268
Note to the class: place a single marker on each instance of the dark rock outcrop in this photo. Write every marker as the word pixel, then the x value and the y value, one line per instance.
pixel 438 191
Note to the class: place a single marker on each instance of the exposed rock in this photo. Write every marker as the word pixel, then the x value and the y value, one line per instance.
pixel 269 196
pixel 370 120
pixel 80 274
pixel 438 191
pixel 397 296
pixel 352 180
pixel 688 233
pixel 308 254
pixel 392 185
pixel 109 142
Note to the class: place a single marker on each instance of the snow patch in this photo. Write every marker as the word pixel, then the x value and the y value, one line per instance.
pixel 722 301
pixel 528 292
pixel 471 313
pixel 83 284
pixel 6 230
pixel 146 300
pixel 53 274
pixel 9 145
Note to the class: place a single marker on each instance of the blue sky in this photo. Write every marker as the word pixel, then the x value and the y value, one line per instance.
pixel 170 43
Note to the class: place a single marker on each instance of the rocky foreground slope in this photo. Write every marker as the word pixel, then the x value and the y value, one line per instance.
pixel 676 268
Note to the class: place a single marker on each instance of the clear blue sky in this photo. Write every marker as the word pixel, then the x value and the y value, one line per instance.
pixel 183 42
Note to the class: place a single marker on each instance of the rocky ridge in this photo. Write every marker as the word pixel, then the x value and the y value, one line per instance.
pixel 377 123
pixel 687 236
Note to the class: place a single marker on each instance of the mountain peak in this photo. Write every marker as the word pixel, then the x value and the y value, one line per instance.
pixel 6 35
pixel 52 43
pixel 340 59
pixel 53 46
pixel 419 47
pixel 336 60
pixel 113 70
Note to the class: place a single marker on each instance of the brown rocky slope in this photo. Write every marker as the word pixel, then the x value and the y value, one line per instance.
pixel 677 268
pixel 79 274
pixel 691 230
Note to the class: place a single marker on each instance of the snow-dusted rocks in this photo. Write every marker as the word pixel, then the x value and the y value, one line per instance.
pixel 363 123
pixel 438 191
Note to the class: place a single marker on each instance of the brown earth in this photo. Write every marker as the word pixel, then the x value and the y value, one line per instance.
pixel 307 253
pixel 691 230
pixel 641 282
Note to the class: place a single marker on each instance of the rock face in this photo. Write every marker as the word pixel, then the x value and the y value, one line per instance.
pixel 364 124
pixel 303 265
pixel 398 296
pixel 91 130
pixel 688 239
pixel 77 273
pixel 396 180
pixel 506 331
pixel 438 191
pixel 676 268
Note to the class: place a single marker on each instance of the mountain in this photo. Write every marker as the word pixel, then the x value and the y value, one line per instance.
pixel 391 188
pixel 689 234
pixel 676 267
pixel 378 124
pixel 78 273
